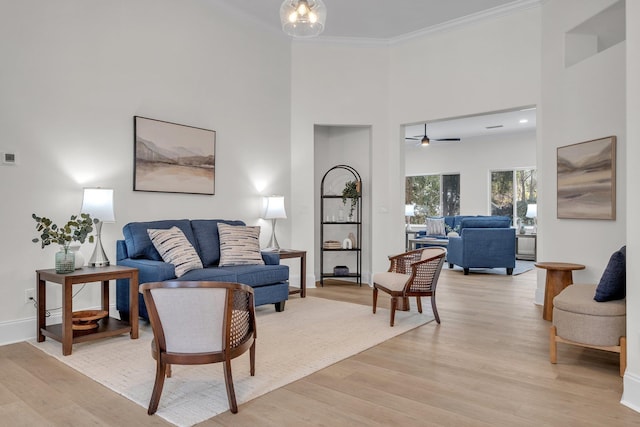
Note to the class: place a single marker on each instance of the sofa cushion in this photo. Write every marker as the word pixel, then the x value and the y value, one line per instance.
pixel 175 249
pixel 239 245
pixel 485 222
pixel 435 227
pixel 139 244
pixel 258 275
pixel 613 283
pixel 206 234
pixel 209 274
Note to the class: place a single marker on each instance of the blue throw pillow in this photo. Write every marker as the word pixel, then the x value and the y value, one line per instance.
pixel 613 283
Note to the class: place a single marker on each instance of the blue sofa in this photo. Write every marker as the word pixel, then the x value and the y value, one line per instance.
pixel 483 242
pixel 269 281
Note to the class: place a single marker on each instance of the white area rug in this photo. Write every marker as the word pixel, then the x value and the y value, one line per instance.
pixel 311 334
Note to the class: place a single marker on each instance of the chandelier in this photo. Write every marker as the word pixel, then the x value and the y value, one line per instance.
pixel 303 18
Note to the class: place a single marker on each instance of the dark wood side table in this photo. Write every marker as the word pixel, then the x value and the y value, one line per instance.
pixel 294 253
pixel 559 276
pixel 107 327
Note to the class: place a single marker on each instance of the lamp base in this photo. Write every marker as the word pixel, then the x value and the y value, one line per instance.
pixel 273 245
pixel 98 257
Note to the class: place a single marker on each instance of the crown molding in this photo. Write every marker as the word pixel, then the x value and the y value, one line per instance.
pixel 516 6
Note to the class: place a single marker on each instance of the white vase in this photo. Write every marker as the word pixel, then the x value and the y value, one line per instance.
pixel 79 258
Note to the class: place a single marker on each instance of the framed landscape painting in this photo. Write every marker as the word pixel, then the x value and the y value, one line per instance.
pixel 587 179
pixel 173 158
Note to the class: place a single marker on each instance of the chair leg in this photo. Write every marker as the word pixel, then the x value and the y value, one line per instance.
pixel 252 358
pixel 394 304
pixel 375 299
pixel 228 380
pixel 553 345
pixel 161 372
pixel 419 304
pixel 169 371
pixel 623 355
pixel 434 308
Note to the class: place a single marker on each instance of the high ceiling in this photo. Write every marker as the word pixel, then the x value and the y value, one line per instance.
pixel 384 19
pixel 387 21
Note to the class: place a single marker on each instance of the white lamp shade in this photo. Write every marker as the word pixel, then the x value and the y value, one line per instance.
pixel 273 207
pixel 409 210
pixel 532 211
pixel 98 202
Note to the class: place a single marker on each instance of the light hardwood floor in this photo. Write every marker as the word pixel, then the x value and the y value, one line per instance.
pixel 486 365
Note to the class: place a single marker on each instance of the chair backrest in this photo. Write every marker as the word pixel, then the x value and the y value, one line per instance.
pixel 427 271
pixel 199 317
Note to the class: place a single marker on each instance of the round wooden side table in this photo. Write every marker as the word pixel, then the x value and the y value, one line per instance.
pixel 559 276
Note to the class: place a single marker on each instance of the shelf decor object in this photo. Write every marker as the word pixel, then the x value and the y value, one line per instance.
pixel 303 18
pixel 332 232
pixel 98 202
pixel 273 209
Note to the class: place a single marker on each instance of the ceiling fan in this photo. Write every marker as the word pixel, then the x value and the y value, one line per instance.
pixel 425 140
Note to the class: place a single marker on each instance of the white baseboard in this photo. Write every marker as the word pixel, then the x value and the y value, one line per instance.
pixel 631 393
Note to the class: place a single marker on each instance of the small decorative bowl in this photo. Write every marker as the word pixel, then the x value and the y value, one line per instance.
pixel 87 319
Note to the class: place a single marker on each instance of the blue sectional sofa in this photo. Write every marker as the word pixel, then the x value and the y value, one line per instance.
pixel 269 281
pixel 483 242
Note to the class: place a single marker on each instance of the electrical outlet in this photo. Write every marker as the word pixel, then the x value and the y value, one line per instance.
pixel 29 295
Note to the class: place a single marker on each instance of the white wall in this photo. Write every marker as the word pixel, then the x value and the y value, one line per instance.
pixel 580 103
pixel 473 159
pixel 631 396
pixel 73 75
pixel 343 145
pixel 335 85
pixel 459 72
pixel 491 65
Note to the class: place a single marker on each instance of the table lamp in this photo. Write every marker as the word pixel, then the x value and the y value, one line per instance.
pixel 409 211
pixel 98 202
pixel 273 209
pixel 532 212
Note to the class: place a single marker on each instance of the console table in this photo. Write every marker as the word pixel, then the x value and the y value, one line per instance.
pixel 430 241
pixel 559 276
pixel 294 253
pixel 107 327
pixel 526 256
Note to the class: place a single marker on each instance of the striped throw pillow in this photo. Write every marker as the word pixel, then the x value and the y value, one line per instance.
pixel 175 249
pixel 435 226
pixel 239 245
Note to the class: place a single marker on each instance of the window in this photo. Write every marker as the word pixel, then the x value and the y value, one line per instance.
pixel 514 185
pixel 433 195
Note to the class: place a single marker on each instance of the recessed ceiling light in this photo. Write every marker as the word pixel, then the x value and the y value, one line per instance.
pixel 524 121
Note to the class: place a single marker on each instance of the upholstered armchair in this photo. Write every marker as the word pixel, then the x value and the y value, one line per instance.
pixel 195 323
pixel 483 244
pixel 594 316
pixel 411 274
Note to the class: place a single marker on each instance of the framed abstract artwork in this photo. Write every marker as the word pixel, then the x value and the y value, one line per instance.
pixel 173 158
pixel 587 179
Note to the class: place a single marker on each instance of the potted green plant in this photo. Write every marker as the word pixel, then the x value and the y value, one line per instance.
pixel 77 229
pixel 351 191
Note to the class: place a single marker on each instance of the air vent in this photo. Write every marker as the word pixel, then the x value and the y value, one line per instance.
pixel 494 127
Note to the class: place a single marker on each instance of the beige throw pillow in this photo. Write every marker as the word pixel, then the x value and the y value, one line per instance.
pixel 175 249
pixel 239 245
